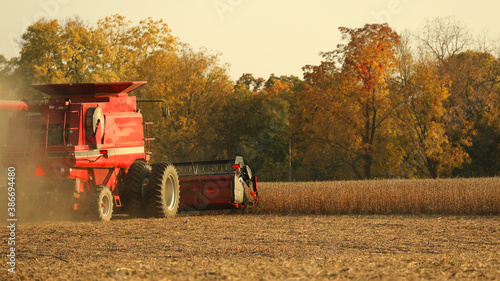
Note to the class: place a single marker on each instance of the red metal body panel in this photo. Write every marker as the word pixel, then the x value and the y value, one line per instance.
pixel 105 176
pixel 206 191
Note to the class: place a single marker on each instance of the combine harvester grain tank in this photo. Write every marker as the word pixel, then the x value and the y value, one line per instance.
pixel 89 145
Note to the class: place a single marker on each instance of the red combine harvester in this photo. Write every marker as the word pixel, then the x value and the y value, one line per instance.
pixel 86 144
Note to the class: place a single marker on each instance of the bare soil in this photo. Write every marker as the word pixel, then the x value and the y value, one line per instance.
pixel 222 246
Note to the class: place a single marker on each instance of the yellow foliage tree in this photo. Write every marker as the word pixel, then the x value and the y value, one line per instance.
pixel 428 149
pixel 194 84
pixel 77 52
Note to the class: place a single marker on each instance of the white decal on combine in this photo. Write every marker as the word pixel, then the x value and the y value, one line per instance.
pixel 110 151
pixel 97 152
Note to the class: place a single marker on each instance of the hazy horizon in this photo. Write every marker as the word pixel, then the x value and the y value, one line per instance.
pixel 258 37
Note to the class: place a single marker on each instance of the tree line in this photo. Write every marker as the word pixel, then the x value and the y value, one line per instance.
pixel 381 105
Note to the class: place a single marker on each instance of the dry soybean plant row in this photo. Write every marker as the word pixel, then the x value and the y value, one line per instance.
pixel 440 197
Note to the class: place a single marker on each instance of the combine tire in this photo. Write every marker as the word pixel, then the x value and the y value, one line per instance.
pixel 162 193
pixel 134 188
pixel 101 203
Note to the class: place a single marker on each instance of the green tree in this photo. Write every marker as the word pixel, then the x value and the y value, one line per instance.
pixel 267 132
pixel 255 124
pixel 10 80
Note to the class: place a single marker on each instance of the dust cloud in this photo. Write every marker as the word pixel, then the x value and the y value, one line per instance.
pixel 36 200
pixel 4 119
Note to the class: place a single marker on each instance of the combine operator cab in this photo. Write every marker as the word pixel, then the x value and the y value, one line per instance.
pixel 84 148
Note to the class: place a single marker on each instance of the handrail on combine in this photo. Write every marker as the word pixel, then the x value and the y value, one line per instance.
pixel 164 110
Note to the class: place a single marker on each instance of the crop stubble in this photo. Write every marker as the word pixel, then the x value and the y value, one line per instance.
pixel 264 247
pixel 299 231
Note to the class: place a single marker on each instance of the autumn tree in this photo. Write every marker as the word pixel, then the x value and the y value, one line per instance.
pixel 130 45
pixel 473 91
pixel 429 150
pixel 474 98
pixel 77 52
pixel 40 52
pixel 247 83
pixel 445 37
pixel 55 53
pixel 355 101
pixel 319 149
pixel 194 85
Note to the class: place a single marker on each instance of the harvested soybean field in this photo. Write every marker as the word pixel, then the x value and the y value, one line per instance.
pixel 260 247
pixel 266 244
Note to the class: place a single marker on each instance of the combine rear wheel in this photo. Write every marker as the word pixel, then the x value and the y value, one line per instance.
pixel 162 193
pixel 134 188
pixel 101 203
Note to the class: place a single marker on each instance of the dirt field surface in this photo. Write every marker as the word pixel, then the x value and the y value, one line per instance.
pixel 259 247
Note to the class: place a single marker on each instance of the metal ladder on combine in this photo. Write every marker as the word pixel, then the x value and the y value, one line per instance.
pixel 147 139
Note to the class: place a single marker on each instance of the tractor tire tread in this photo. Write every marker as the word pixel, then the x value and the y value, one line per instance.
pixel 95 208
pixel 132 195
pixel 156 191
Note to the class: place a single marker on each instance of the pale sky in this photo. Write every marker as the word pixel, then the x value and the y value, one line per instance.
pixel 255 36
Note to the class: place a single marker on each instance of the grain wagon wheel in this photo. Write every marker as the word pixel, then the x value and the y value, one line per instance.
pixel 162 193
pixel 134 188
pixel 101 203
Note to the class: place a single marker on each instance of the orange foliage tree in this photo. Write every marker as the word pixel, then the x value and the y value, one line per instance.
pixel 351 97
